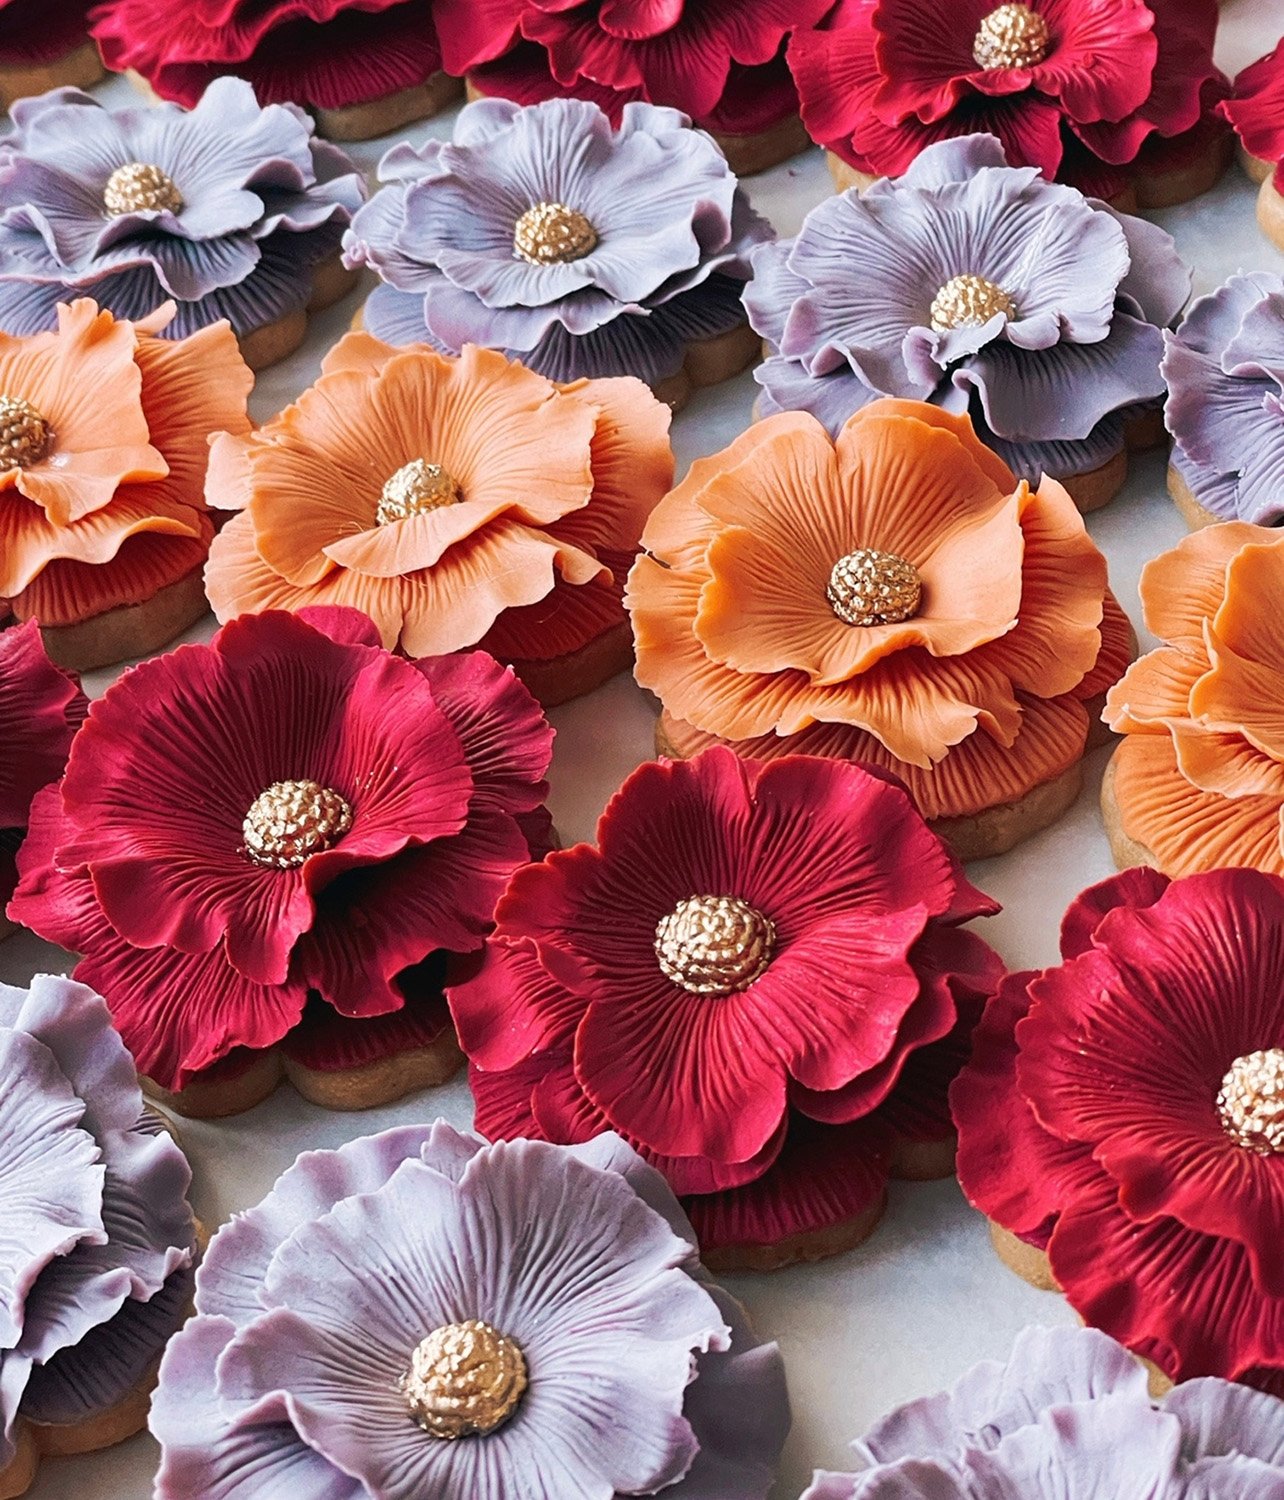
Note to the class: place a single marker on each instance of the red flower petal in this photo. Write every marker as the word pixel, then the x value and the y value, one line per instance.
pixel 41 707
pixel 512 1007
pixel 327 1042
pixel 1133 888
pixel 1257 108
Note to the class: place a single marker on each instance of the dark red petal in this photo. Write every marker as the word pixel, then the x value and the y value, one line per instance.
pixel 512 1007
pixel 837 76
pixel 924 56
pixel 327 1042
pixel 1134 888
pixel 41 707
pixel 58 904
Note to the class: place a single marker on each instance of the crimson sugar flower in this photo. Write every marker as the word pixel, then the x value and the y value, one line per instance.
pixel 267 848
pixel 757 977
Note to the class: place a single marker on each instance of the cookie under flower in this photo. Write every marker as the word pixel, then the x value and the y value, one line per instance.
pixel 757 977
pixel 722 65
pixel 581 249
pixel 456 502
pixel 228 210
pixel 1117 98
pixel 45 44
pixel 895 597
pixel 267 849
pixel 99 1239
pixel 104 429
pixel 1198 781
pixel 554 1318
pixel 1156 1196
pixel 1069 1414
pixel 928 288
pixel 362 66
pixel 1224 367
pixel 41 707
pixel 1256 110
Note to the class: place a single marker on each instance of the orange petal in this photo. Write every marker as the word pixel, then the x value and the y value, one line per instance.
pixel 1224 762
pixel 1183 588
pixel 958 424
pixel 1155 689
pixel 1187 829
pixel 1248 621
pixel 359 351
pixel 1241 695
pixel 1118 648
pixel 228 475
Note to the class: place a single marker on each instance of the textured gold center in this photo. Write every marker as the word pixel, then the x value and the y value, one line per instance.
pixel 463 1379
pixel 138 186
pixel 416 487
pixel 24 434
pixel 1251 1101
pixel 868 587
pixel 969 302
pixel 714 945
pixel 552 234
pixel 293 819
pixel 1013 36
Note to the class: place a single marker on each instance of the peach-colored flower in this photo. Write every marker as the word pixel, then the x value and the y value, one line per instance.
pixel 751 624
pixel 1199 779
pixel 446 498
pixel 103 433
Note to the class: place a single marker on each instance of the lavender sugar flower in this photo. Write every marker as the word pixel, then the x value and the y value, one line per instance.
pixel 228 209
pixel 543 1303
pixel 578 249
pixel 1225 370
pixel 978 287
pixel 96 1237
pixel 1068 1417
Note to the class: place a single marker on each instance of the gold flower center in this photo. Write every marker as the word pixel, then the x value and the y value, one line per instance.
pixel 293 819
pixel 868 587
pixel 1251 1101
pixel 552 234
pixel 138 186
pixel 969 302
pixel 1013 36
pixel 714 945
pixel 24 434
pixel 416 488
pixel 464 1378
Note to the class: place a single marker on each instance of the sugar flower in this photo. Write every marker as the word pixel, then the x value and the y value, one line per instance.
pixel 543 1305
pixel 1256 110
pixel 41 707
pixel 1199 779
pixel 331 56
pixel 1115 97
pixel 1225 370
pixel 104 429
pixel 454 501
pixel 581 249
pixel 1156 1194
pixel 895 597
pixel 722 65
pixel 981 288
pixel 757 977
pixel 98 1237
pixel 1068 1414
pixel 228 210
pixel 267 848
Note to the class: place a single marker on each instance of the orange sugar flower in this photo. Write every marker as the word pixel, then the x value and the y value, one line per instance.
pixel 104 427
pixel 455 501
pixel 1198 782
pixel 893 596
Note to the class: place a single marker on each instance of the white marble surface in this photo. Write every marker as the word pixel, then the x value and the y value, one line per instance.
pixel 925 1297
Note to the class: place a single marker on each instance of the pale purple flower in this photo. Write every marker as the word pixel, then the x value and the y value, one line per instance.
pixel 236 207
pixel 1059 344
pixel 1069 1417
pixel 1225 371
pixel 642 1377
pixel 96 1236
pixel 658 257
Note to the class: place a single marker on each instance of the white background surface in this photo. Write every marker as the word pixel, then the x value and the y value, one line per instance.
pixel 925 1297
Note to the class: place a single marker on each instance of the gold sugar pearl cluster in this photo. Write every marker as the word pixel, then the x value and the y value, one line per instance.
pixel 415 489
pixel 1013 36
pixel 551 234
pixel 969 301
pixel 714 945
pixel 138 186
pixel 25 436
pixel 868 587
pixel 1251 1101
pixel 291 820
pixel 464 1379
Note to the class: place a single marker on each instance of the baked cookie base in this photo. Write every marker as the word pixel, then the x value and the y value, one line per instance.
pixel 366 1087
pixel 1128 853
pixel 1096 488
pixel 1270 212
pixel 363 122
pixel 562 678
pixel 749 154
pixel 129 631
pixel 797 1249
pixel 1256 167
pixel 279 339
pixel 1195 515
pixel 78 69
